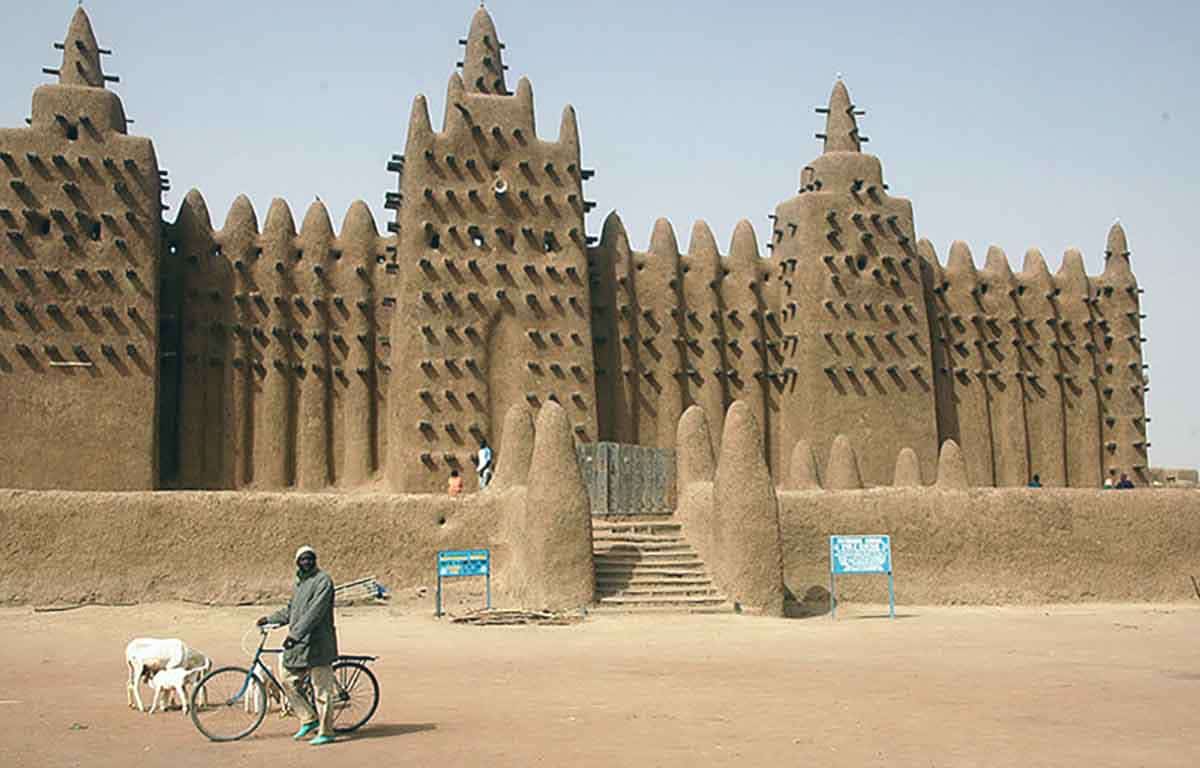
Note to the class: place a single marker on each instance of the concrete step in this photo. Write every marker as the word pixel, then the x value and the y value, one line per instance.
pixel 682 556
pixel 647 568
pixel 653 579
pixel 628 609
pixel 620 546
pixel 646 591
pixel 664 601
pixel 642 528
pixel 606 535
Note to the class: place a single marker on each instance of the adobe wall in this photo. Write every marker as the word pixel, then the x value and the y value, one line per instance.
pixel 1000 546
pixel 682 330
pixel 61 546
pixel 281 354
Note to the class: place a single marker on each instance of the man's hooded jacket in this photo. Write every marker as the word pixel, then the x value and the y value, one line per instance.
pixel 309 616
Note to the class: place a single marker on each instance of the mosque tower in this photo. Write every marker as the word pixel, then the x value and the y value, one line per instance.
pixel 493 258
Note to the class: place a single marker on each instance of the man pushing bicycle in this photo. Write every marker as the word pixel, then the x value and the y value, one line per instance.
pixel 310 647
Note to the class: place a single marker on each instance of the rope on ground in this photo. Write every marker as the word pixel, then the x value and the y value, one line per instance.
pixel 73 606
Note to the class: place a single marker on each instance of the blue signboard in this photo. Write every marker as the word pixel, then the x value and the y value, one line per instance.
pixel 860 555
pixel 452 563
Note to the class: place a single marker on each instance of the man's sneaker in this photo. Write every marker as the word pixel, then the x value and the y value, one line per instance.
pixel 306 729
pixel 319 740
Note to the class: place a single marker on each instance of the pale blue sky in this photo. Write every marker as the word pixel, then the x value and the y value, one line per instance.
pixel 1023 124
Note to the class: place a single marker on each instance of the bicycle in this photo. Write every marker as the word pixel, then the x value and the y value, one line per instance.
pixel 229 703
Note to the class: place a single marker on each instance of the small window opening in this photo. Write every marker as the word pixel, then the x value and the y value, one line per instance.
pixel 43 226
pixel 548 242
pixel 72 132
pixel 94 230
pixel 861 263
pixel 477 239
pixel 435 241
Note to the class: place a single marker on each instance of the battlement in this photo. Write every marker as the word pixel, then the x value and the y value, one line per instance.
pixel 281 353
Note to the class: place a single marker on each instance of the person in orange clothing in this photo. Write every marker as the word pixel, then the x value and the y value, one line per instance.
pixel 454 486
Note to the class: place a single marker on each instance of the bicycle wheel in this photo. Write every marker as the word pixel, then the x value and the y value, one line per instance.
pixel 356 696
pixel 228 704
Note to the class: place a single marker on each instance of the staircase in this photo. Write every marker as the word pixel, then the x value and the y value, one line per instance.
pixel 646 565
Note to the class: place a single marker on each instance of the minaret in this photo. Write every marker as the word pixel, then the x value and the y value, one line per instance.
pixel 494 307
pixel 857 361
pixel 1117 306
pixel 81 218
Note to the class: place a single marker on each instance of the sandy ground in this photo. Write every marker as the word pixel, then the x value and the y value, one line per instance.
pixel 1094 685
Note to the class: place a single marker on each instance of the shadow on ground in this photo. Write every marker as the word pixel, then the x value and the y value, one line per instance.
pixel 384 730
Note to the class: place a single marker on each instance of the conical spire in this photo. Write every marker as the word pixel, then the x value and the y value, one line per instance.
pixel 420 128
pixel 662 239
pixel 743 248
pixel 279 224
pixel 568 130
pixel 1117 244
pixel 316 226
pixel 803 475
pixel 81 54
pixel 702 246
pixel 359 222
pixel 483 66
pixel 694 455
pixel 841 129
pixel 613 231
pixel 952 468
pixel 960 264
pixel 1116 253
pixel 908 470
pixel 456 109
pixel 841 473
pixel 1034 269
pixel 996 263
pixel 1072 275
pixel 193 215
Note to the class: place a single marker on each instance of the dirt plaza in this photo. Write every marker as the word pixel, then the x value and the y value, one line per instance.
pixel 1093 685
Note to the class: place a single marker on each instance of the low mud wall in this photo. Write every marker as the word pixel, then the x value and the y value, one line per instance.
pixel 59 546
pixel 998 546
pixel 230 547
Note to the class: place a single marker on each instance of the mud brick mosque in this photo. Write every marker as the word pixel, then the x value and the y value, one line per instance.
pixel 138 353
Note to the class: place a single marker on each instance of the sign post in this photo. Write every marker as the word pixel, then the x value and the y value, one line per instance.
pixel 860 554
pixel 454 563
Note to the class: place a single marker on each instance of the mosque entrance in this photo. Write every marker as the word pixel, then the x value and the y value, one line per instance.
pixel 625 479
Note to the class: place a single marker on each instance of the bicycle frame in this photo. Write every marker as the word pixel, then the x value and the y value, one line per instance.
pixel 257 663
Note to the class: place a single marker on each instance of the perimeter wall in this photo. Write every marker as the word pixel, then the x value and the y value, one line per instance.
pixel 999 546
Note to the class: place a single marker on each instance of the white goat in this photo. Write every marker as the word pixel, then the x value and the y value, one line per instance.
pixel 146 655
pixel 174 682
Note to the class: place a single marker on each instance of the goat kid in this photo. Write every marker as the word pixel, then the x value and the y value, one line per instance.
pixel 145 656
pixel 169 683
